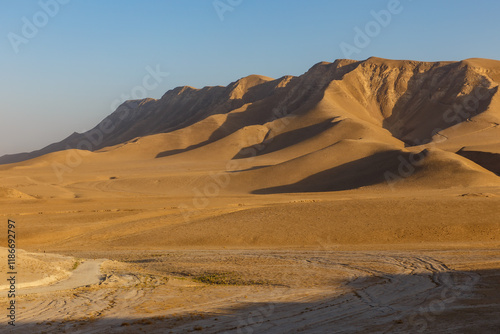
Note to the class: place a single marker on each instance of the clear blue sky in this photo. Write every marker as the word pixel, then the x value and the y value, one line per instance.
pixel 66 76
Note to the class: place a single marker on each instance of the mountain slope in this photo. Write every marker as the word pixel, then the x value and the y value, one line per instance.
pixel 340 125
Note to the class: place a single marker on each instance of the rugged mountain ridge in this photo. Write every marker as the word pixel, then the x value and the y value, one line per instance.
pixel 407 101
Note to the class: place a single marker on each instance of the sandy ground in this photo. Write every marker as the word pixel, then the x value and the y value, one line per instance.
pixel 87 273
pixel 269 291
pixel 344 262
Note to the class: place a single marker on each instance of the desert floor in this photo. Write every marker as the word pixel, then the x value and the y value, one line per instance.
pixel 343 262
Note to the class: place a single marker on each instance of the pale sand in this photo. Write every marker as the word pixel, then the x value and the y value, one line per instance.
pixel 277 291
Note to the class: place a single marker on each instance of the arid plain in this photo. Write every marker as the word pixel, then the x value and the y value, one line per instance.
pixel 360 197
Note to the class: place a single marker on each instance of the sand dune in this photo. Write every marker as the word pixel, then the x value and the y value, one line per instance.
pixel 13 193
pixel 340 126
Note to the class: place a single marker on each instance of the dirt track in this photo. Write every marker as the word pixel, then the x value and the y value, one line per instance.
pixel 87 273
pixel 312 291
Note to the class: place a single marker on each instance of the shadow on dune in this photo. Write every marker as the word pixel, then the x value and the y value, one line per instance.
pixel 487 160
pixel 296 98
pixel 250 169
pixel 256 113
pixel 359 173
pixel 437 302
pixel 233 123
pixel 286 139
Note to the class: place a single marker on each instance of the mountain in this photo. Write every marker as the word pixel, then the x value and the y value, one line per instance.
pixel 353 123
pixel 178 108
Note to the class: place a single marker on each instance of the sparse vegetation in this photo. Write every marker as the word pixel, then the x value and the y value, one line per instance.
pixel 225 278
pixel 76 264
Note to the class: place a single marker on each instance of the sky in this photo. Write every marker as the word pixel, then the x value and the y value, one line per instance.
pixel 66 64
